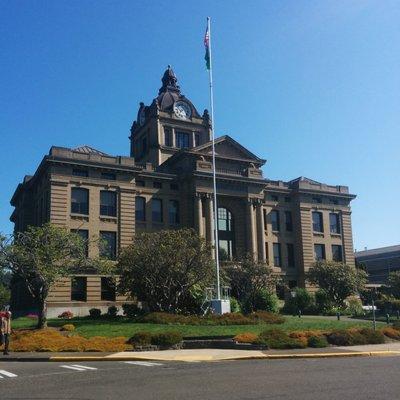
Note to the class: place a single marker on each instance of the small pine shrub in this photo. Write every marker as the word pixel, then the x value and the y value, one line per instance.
pixel 95 313
pixel 391 333
pixel 132 310
pixel 354 337
pixel 267 317
pixel 235 305
pixel 68 328
pixel 140 339
pixel 279 339
pixel 317 341
pixel 112 312
pixel 66 315
pixel 166 339
pixel 246 337
pixel 372 337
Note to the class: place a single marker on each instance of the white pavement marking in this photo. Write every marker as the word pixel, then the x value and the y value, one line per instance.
pixel 6 373
pixel 83 366
pixel 143 363
pixel 77 367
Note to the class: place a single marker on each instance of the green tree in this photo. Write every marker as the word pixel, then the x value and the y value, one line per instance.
pixel 337 279
pixel 248 280
pixel 41 256
pixel 166 269
pixel 393 285
pixel 5 278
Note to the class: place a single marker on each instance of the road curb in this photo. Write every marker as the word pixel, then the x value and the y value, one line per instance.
pixel 260 357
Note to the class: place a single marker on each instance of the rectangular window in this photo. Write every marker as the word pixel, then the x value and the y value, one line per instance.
pixel 140 209
pixel 108 203
pixel 109 176
pixel 174 186
pixel 288 199
pixel 275 220
pixel 334 222
pixel 156 210
pixel 108 245
pixel 290 255
pixel 157 185
pixel 80 201
pixel 173 212
pixel 140 183
pixel 108 292
pixel 277 254
pixel 78 288
pixel 317 200
pixel 288 221
pixel 196 139
pixel 265 219
pixel 80 172
pixel 274 197
pixel 318 223
pixel 337 254
pixel 319 252
pixel 182 140
pixel 84 235
pixel 167 137
pixel 266 253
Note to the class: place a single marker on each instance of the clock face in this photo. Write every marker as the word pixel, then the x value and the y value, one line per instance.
pixel 182 110
pixel 142 117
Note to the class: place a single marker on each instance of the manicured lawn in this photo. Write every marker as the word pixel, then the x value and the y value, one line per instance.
pixel 123 327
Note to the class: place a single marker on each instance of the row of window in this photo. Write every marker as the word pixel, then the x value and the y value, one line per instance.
pixel 107 242
pixel 182 139
pixel 319 254
pixel 85 173
pixel 79 289
pixel 157 214
pixel 157 185
pixel 318 222
pixel 80 202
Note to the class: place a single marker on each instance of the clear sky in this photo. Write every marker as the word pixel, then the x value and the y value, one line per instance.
pixel 312 86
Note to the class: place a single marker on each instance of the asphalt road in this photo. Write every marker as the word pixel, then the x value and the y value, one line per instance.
pixel 339 378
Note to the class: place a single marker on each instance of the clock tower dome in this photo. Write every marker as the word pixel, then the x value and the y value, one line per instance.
pixel 169 124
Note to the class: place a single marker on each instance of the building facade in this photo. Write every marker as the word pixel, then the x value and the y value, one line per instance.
pixel 166 183
pixel 379 263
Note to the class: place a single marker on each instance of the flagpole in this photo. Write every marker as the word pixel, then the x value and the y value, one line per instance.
pixel 210 76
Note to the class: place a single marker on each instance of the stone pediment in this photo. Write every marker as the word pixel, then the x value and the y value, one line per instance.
pixel 225 146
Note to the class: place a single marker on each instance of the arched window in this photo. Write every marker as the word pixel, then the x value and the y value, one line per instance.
pixel 226 234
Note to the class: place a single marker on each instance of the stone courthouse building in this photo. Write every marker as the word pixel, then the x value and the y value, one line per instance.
pixel 166 183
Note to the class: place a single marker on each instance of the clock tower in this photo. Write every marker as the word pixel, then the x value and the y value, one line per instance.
pixel 171 123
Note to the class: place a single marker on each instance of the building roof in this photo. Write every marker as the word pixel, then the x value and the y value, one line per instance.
pixel 380 250
pixel 89 150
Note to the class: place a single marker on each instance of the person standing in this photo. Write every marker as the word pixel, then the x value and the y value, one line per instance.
pixel 6 330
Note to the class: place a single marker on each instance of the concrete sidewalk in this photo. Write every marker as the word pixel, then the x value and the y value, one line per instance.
pixel 198 355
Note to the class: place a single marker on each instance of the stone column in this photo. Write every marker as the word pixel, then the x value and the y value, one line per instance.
pixel 209 219
pixel 198 214
pixel 260 231
pixel 251 242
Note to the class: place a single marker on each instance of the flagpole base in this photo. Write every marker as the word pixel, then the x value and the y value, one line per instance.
pixel 221 306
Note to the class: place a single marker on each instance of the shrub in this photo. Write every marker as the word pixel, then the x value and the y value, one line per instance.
pixel 66 315
pixel 302 301
pixel 112 311
pixel 305 334
pixel 235 305
pixel 95 313
pixel 140 339
pixel 166 339
pixel 396 325
pixel 52 340
pixel 68 328
pixel 317 341
pixel 391 333
pixel 354 336
pixel 354 306
pixel 322 302
pixel 388 304
pixel 246 337
pixel 279 339
pixel 265 301
pixel 132 310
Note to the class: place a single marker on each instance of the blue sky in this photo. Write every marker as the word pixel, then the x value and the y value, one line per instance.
pixel 312 86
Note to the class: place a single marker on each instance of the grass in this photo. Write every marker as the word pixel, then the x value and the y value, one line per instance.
pixel 124 327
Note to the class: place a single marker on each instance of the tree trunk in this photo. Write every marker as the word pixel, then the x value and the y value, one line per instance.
pixel 42 315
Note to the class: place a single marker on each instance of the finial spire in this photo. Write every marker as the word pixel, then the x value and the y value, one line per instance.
pixel 169 81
